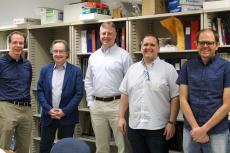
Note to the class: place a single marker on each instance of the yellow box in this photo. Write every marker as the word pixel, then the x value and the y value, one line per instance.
pixel 150 7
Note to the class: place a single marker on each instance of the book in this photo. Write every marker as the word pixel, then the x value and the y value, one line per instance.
pixel 195 27
pixel 219 30
pixel 89 41
pixel 123 41
pixel 83 41
pixel 94 48
pixel 226 24
pixel 187 36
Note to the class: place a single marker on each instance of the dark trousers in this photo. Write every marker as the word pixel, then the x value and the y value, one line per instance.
pixel 147 141
pixel 48 135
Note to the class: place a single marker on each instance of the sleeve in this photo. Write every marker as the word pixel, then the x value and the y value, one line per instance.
pixel 172 78
pixel 183 75
pixel 227 76
pixel 124 84
pixel 41 92
pixel 127 62
pixel 89 84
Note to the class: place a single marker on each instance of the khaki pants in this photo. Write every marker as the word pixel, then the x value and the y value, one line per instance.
pixel 18 118
pixel 105 115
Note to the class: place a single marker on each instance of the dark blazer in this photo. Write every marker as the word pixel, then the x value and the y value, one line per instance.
pixel 72 93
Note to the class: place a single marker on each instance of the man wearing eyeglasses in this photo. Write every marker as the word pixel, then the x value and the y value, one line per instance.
pixel 150 91
pixel 205 97
pixel 59 91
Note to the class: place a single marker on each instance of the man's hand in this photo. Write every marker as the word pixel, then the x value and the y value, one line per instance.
pixel 59 113
pixel 169 131
pixel 122 125
pixel 199 135
pixel 56 113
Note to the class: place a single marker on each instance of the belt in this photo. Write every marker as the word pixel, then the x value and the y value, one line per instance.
pixel 108 98
pixel 20 103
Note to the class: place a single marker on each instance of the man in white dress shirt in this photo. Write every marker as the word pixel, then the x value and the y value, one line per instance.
pixel 106 69
pixel 150 91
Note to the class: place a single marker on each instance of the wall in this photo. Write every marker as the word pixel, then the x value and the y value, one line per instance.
pixel 10 9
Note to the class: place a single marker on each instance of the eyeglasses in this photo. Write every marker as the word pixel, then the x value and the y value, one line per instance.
pixel 59 51
pixel 208 43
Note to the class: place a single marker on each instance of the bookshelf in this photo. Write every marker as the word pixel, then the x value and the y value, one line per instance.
pixel 219 20
pixel 152 26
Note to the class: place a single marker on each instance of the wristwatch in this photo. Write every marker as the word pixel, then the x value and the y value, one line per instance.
pixel 172 122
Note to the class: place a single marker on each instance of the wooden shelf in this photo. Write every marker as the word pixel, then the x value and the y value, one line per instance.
pixel 84 54
pixel 172 52
pixel 216 10
pixel 165 15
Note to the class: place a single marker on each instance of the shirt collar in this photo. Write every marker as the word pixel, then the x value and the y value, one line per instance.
pixel 152 63
pixel 108 50
pixel 63 66
pixel 9 58
pixel 211 60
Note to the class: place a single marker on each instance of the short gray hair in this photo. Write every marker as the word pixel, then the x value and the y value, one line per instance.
pixel 108 24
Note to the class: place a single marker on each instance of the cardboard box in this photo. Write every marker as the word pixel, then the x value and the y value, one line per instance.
pixel 223 4
pixel 150 7
pixel 94 17
pixel 72 12
pixel 51 15
pixel 26 21
pixel 192 2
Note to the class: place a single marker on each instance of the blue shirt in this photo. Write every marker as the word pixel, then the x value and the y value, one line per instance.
pixel 15 79
pixel 206 83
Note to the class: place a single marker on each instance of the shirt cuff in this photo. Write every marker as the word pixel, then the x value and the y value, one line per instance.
pixel 90 103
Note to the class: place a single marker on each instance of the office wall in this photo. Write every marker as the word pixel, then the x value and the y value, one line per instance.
pixel 10 9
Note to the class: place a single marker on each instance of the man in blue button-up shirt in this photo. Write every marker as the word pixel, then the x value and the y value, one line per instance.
pixel 205 97
pixel 15 81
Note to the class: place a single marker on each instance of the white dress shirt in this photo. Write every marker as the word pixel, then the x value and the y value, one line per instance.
pixel 150 89
pixel 106 69
pixel 57 84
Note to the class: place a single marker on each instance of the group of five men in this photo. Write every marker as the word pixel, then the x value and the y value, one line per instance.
pixel 150 89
